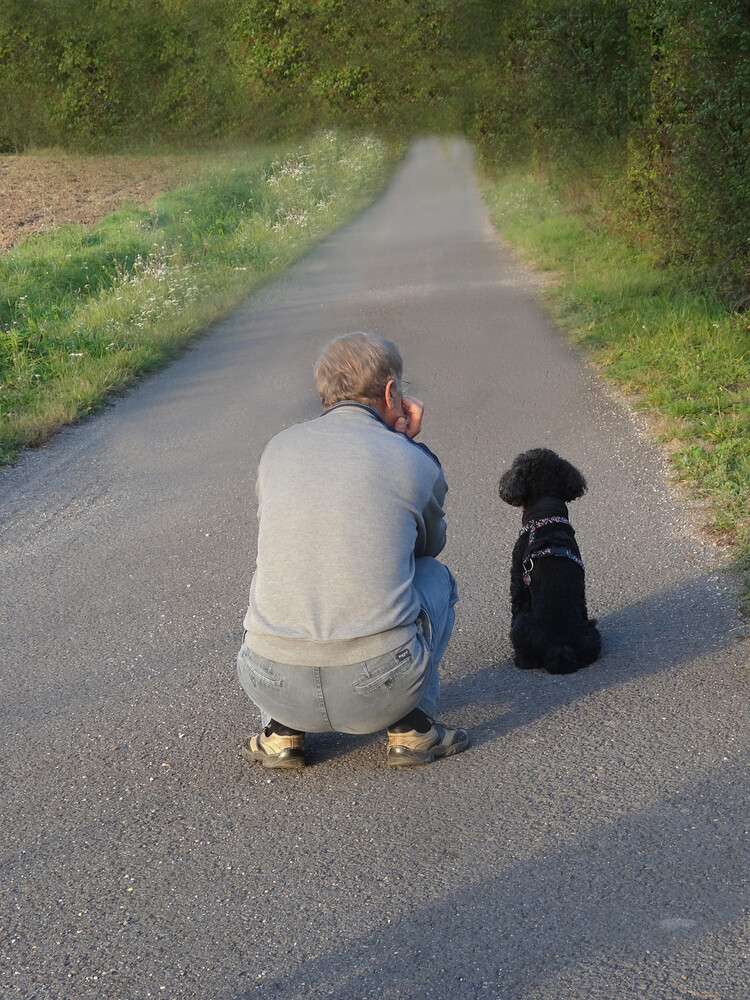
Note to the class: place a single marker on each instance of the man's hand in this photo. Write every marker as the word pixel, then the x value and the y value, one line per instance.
pixel 411 422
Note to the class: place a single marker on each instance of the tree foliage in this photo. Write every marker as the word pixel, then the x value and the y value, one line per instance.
pixel 93 72
pixel 660 88
pixel 693 140
pixel 85 73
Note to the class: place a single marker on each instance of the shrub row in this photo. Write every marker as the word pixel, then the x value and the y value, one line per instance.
pixel 657 89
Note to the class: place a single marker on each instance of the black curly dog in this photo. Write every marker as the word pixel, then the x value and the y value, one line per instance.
pixel 550 627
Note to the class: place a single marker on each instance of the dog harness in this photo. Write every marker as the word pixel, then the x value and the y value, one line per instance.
pixel 550 550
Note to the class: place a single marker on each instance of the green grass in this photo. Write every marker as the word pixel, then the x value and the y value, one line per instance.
pixel 683 357
pixel 86 310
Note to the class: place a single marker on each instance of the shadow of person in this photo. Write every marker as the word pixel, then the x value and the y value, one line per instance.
pixel 637 899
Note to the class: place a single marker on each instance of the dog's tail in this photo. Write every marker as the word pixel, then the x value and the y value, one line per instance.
pixel 561 660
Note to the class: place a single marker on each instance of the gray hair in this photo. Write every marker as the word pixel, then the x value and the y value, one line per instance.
pixel 357 366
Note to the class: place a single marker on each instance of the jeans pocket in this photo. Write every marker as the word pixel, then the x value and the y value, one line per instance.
pixel 257 670
pixel 390 670
pixel 425 627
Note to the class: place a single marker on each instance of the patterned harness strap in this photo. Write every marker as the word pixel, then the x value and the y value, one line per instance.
pixel 533 525
pixel 552 550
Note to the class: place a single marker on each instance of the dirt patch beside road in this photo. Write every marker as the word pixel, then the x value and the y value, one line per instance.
pixel 40 191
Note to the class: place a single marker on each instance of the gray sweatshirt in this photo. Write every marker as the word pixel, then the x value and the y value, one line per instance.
pixel 345 504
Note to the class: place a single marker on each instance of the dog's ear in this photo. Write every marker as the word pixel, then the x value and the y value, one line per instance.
pixel 513 486
pixel 572 482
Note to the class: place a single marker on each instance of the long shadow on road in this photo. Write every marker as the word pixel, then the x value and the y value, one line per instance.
pixel 634 898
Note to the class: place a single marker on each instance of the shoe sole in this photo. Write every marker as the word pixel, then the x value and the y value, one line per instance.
pixel 404 757
pixel 287 760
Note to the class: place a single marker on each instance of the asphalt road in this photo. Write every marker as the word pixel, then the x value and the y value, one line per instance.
pixel 593 843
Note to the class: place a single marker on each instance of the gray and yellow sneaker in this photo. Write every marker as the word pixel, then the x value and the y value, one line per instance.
pixel 411 748
pixel 274 750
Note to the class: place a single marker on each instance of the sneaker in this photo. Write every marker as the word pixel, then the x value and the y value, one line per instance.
pixel 412 748
pixel 274 750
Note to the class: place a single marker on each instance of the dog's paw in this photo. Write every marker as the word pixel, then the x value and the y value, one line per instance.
pixel 561 660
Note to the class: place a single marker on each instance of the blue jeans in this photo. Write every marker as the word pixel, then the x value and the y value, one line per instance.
pixel 361 697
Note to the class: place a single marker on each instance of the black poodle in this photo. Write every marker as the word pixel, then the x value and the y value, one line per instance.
pixel 550 627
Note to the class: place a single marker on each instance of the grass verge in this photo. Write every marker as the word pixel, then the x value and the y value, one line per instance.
pixel 683 357
pixel 85 310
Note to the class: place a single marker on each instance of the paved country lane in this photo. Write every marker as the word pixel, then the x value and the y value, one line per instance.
pixel 592 843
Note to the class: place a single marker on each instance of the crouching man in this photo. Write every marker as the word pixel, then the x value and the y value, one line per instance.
pixel 350 612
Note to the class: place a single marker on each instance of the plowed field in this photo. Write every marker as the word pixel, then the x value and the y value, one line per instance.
pixel 40 191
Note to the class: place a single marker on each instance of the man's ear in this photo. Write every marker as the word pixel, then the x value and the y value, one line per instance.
pixel 389 395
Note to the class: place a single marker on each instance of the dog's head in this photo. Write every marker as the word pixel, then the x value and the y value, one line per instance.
pixel 540 473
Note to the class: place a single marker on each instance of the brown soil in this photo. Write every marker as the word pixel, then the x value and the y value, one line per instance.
pixel 40 191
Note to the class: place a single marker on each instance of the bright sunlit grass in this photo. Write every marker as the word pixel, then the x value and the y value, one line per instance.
pixel 85 310
pixel 682 356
